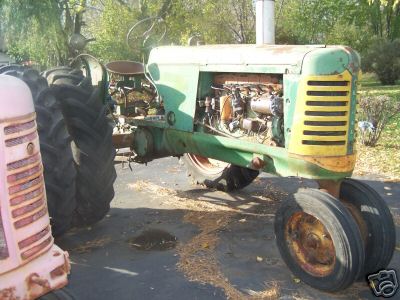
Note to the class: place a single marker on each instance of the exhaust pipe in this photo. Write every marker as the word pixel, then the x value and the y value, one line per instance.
pixel 265 22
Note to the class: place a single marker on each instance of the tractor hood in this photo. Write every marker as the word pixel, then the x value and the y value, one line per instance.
pixel 252 58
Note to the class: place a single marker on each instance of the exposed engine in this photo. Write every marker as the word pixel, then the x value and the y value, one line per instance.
pixel 244 106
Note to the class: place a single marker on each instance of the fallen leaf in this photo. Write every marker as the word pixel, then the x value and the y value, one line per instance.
pixel 296 280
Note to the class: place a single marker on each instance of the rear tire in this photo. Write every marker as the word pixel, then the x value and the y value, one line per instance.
pixel 319 240
pixel 381 232
pixel 217 174
pixel 59 170
pixel 94 152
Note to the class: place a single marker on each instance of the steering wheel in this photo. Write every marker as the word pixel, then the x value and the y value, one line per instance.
pixel 145 33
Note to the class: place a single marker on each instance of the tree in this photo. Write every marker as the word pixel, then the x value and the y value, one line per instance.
pixel 223 21
pixel 383 58
pixel 312 21
pixel 108 25
pixel 385 18
pixel 40 30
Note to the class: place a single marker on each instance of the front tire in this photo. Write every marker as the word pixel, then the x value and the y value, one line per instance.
pixel 319 240
pixel 217 174
pixel 380 237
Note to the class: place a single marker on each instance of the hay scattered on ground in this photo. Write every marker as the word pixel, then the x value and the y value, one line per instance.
pixel 91 245
pixel 178 199
pixel 198 260
pixel 396 218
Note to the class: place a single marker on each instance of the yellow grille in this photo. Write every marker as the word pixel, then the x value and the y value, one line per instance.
pixel 321 120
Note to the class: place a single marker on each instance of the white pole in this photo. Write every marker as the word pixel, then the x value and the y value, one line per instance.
pixel 265 22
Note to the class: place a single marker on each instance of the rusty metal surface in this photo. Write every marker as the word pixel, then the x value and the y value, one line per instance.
pixel 332 187
pixel 257 163
pixel 122 140
pixel 362 225
pixel 37 286
pixel 208 166
pixel 334 163
pixel 232 54
pixel 232 78
pixel 8 293
pixel 125 67
pixel 310 244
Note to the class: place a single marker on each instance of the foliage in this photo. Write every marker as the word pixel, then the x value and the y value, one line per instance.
pixel 386 66
pixel 40 30
pixel 109 27
pixel 385 18
pixel 312 21
pixel 375 113
pixel 223 21
pixel 384 158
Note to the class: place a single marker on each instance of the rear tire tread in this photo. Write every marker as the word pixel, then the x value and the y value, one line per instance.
pixel 92 134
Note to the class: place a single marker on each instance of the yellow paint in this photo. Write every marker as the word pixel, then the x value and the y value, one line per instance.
pixel 342 164
pixel 296 145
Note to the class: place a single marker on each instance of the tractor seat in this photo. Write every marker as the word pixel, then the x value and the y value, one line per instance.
pixel 125 67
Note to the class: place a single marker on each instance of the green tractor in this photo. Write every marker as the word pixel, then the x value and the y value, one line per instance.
pixel 232 111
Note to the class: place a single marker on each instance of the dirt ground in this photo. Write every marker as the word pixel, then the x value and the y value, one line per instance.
pixel 167 239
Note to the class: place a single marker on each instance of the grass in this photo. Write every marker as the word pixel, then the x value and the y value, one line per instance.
pixel 384 159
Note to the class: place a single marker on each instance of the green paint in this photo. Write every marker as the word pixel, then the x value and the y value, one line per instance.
pixel 352 119
pixel 241 153
pixel 178 90
pixel 268 69
pixel 180 80
pixel 326 61
pixel 205 81
pixel 290 83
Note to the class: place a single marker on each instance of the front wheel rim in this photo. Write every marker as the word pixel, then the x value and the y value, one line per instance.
pixel 310 244
pixel 207 165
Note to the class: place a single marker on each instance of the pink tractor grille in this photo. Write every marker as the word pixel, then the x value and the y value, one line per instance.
pixel 30 264
pixel 26 189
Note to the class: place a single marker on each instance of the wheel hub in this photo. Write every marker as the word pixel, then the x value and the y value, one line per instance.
pixel 310 244
pixel 312 241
